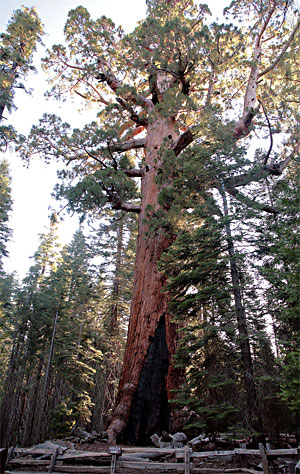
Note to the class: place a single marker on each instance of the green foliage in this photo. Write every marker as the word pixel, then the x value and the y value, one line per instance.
pixel 17 46
pixel 5 207
pixel 278 250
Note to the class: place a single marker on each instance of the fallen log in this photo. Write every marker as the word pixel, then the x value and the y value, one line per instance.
pixel 254 452
pixel 129 457
pixel 38 451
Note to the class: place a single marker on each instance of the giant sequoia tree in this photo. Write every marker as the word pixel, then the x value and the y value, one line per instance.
pixel 173 87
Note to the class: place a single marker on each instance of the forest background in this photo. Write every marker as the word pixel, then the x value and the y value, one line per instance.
pixel 233 269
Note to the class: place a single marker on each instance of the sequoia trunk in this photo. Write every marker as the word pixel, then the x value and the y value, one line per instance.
pixel 148 374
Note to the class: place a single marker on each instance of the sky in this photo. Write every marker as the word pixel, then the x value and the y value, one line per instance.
pixel 32 186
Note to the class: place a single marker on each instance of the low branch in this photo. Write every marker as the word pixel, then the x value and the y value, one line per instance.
pixel 124 206
pixel 134 172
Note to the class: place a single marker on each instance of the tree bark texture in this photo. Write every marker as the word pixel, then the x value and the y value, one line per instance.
pixel 148 374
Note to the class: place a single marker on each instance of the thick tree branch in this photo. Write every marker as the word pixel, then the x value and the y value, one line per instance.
pixel 243 126
pixel 133 115
pixel 130 145
pixel 124 206
pixel 277 169
pixel 182 142
pixel 256 174
pixel 134 172
pixel 115 84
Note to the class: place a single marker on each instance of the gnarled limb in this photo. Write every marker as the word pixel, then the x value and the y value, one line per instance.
pixel 242 127
pixel 182 142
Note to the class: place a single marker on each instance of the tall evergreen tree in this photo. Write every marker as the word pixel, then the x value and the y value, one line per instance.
pixel 5 208
pixel 115 245
pixel 17 45
pixel 27 339
pixel 187 86
pixel 278 249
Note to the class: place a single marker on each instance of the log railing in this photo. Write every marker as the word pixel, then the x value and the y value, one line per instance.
pixel 136 458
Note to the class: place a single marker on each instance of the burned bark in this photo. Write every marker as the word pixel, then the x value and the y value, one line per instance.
pixel 150 410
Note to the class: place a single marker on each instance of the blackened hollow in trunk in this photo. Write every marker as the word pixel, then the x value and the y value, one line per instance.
pixel 150 410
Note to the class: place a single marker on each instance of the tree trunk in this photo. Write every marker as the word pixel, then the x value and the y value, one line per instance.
pixel 34 383
pixel 116 283
pixel 254 419
pixel 11 398
pixel 40 428
pixel 148 374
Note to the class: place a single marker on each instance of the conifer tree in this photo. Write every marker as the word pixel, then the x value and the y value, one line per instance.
pixel 27 340
pixel 278 249
pixel 115 244
pixel 17 45
pixel 186 88
pixel 5 208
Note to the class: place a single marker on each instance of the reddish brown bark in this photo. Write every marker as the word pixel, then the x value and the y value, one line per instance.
pixel 149 304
